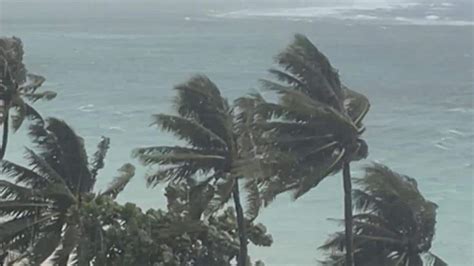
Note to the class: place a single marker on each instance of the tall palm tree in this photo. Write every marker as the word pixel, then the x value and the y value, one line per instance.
pixel 212 160
pixel 395 224
pixel 16 86
pixel 315 128
pixel 41 209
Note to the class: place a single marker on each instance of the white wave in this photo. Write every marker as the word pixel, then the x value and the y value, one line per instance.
pixel 364 17
pixel 117 129
pixel 446 4
pixel 456 132
pixel 92 36
pixel 461 110
pixel 441 146
pixel 433 22
pixel 87 108
pixel 318 11
pixel 432 17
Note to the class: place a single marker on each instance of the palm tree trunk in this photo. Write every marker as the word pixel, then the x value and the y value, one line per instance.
pixel 242 260
pixel 346 173
pixel 3 149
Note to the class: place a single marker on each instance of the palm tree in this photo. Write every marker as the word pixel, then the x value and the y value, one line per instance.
pixel 42 209
pixel 395 224
pixel 16 86
pixel 314 131
pixel 212 162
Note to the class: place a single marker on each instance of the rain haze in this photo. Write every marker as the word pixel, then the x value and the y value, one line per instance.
pixel 114 64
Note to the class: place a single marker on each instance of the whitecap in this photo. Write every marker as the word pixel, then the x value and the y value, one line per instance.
pixel 87 108
pixel 364 17
pixel 446 4
pixel 461 110
pixel 116 129
pixel 93 36
pixel 337 11
pixel 456 132
pixel 441 146
pixel 432 22
pixel 432 17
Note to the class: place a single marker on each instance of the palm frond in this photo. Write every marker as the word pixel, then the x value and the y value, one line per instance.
pixel 68 244
pixel 433 260
pixel 127 171
pixel 9 190
pixel 22 174
pixel 199 100
pixel 305 62
pixel 97 162
pixel 20 207
pixel 198 90
pixel 17 225
pixel 186 129
pixel 363 201
pixel 43 168
pixel 33 82
pixel 174 157
pixel 32 114
pixel 335 242
pixel 356 105
pixel 223 193
pixel 254 199
pixel 175 174
pixel 317 174
pixel 74 163
pixel 288 79
pixel 199 197
pixel 47 242
pixel 45 95
pixel 11 51
pixel 19 115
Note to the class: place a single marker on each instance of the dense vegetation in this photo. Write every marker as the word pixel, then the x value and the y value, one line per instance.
pixel 243 153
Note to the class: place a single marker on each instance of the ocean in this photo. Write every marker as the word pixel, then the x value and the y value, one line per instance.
pixel 114 64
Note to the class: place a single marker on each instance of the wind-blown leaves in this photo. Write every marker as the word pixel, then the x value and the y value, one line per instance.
pixel 317 121
pixel 22 174
pixel 46 244
pixel 19 86
pixel 254 199
pixel 45 204
pixel 312 68
pixel 127 171
pixel 219 140
pixel 98 159
pixel 73 156
pixel 68 244
pixel 17 225
pixel 189 130
pixel 13 191
pixel 395 224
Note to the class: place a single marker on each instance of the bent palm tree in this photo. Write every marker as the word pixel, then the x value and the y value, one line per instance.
pixel 42 208
pixel 212 161
pixel 315 127
pixel 16 86
pixel 395 224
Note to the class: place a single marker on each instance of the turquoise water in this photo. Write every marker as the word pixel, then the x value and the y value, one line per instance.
pixel 114 64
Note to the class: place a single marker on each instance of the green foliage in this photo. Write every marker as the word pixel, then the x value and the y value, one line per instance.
pixel 42 210
pixel 205 122
pixel 125 235
pixel 395 224
pixel 16 86
pixel 51 209
pixel 315 127
pixel 216 151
